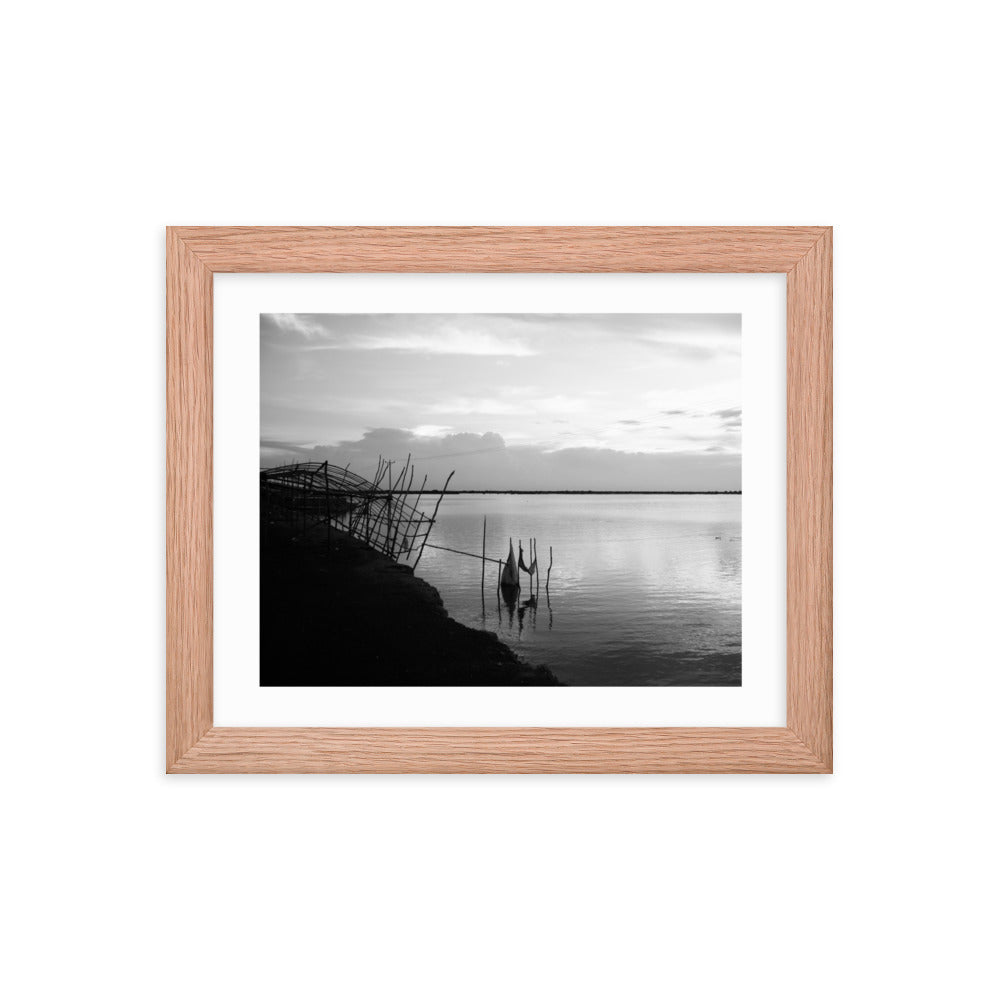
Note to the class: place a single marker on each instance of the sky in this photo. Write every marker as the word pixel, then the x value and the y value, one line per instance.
pixel 626 401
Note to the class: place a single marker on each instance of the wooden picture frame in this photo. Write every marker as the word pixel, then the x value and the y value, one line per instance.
pixel 802 253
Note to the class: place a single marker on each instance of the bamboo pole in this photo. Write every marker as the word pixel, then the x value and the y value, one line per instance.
pixel 482 582
pixel 388 508
pixel 349 519
pixel 416 507
pixel 370 501
pixel 406 544
pixel 394 488
pixel 458 552
pixel 326 497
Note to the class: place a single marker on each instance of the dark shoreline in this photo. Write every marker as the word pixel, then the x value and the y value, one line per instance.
pixel 345 615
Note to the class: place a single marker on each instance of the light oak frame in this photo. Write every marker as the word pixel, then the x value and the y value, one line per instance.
pixel 803 253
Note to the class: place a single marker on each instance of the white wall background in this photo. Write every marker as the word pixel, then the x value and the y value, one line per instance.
pixel 879 881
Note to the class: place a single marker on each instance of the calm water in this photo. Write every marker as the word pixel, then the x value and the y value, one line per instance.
pixel 643 590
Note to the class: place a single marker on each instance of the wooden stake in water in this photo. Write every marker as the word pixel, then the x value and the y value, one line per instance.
pixel 482 584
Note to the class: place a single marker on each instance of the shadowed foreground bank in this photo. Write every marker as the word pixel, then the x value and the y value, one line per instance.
pixel 351 616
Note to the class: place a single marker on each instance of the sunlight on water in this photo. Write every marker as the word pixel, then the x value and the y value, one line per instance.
pixel 644 589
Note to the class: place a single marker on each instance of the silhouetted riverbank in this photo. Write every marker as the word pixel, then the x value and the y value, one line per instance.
pixel 350 616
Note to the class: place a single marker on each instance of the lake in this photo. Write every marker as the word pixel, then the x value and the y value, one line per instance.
pixel 644 589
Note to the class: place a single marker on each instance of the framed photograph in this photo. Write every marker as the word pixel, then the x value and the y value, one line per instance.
pixel 499 500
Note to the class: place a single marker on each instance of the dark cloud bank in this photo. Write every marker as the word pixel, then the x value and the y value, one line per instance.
pixel 486 462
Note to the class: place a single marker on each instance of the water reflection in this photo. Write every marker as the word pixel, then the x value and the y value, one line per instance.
pixel 648 588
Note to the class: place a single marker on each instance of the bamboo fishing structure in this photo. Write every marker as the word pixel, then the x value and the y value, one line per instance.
pixel 377 512
pixel 532 548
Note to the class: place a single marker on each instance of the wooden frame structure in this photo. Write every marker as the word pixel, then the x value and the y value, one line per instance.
pixel 803 253
pixel 379 512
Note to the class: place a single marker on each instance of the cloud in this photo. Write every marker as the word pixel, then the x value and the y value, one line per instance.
pixel 285 446
pixel 631 423
pixel 473 342
pixel 430 430
pixel 680 350
pixel 683 337
pixel 514 403
pixel 300 326
pixel 417 333
pixel 732 418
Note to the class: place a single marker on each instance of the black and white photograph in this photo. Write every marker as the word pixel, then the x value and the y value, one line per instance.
pixel 500 500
